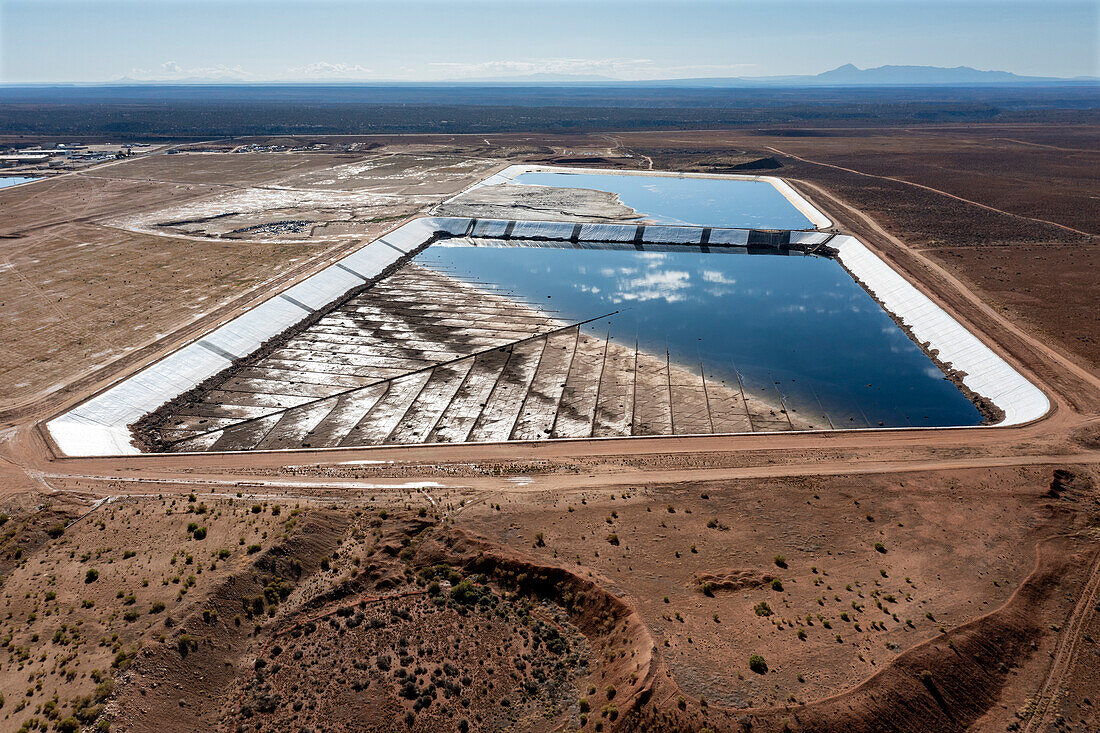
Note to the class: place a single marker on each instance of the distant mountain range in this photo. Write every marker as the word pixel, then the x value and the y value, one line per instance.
pixel 847 75
pixel 851 75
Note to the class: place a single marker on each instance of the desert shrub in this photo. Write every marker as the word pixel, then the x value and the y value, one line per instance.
pixel 777 584
pixel 91 576
pixel 762 609
pixel 613 539
pixel 253 549
pixel 156 607
pixel 469 594
pixel 191 527
pixel 200 533
pixel 780 561
pixel 757 664
pixel 879 547
pixel 56 531
pixel 257 508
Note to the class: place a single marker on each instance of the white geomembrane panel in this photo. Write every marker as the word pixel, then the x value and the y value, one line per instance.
pixel 608 232
pixel 490 228
pixel 733 237
pixel 986 373
pixel 324 287
pixel 542 229
pixel 808 237
pixel 244 334
pixel 672 235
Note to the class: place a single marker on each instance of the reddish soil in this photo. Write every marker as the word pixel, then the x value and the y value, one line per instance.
pixel 988 556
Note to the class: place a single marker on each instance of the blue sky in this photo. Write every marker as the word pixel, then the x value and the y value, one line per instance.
pixel 423 40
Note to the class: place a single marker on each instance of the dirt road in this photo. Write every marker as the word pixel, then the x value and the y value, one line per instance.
pixel 933 190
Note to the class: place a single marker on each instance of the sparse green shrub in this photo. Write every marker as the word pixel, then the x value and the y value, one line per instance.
pixel 780 561
pixel 777 584
pixel 91 576
pixel 613 539
pixel 762 609
pixel 879 547
pixel 757 664
pixel 200 533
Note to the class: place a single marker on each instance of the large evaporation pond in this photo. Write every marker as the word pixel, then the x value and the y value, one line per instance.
pixel 797 325
pixel 712 202
pixel 6 181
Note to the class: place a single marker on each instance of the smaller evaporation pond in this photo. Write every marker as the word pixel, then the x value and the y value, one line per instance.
pixel 6 181
pixel 711 202
pixel 793 326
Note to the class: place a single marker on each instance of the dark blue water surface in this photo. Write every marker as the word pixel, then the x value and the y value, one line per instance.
pixel 710 202
pixel 794 324
pixel 6 181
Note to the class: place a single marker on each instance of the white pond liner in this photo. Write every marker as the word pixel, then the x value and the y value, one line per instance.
pixel 509 175
pixel 100 426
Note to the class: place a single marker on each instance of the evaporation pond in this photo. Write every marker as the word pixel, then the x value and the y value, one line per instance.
pixel 795 327
pixel 687 201
pixel 6 181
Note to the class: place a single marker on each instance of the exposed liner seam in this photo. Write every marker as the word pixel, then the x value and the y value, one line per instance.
pixel 218 350
pixel 345 268
pixel 298 303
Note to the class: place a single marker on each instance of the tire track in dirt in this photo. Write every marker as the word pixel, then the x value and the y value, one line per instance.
pixel 1066 653
pixel 933 190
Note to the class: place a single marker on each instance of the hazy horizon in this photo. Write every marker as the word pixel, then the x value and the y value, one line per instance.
pixel 105 41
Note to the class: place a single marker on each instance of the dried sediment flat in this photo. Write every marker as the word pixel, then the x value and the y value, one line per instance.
pixel 538 203
pixel 425 357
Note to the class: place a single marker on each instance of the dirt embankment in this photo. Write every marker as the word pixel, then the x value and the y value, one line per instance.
pixel 181 685
pixel 628 667
pixel 944 684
